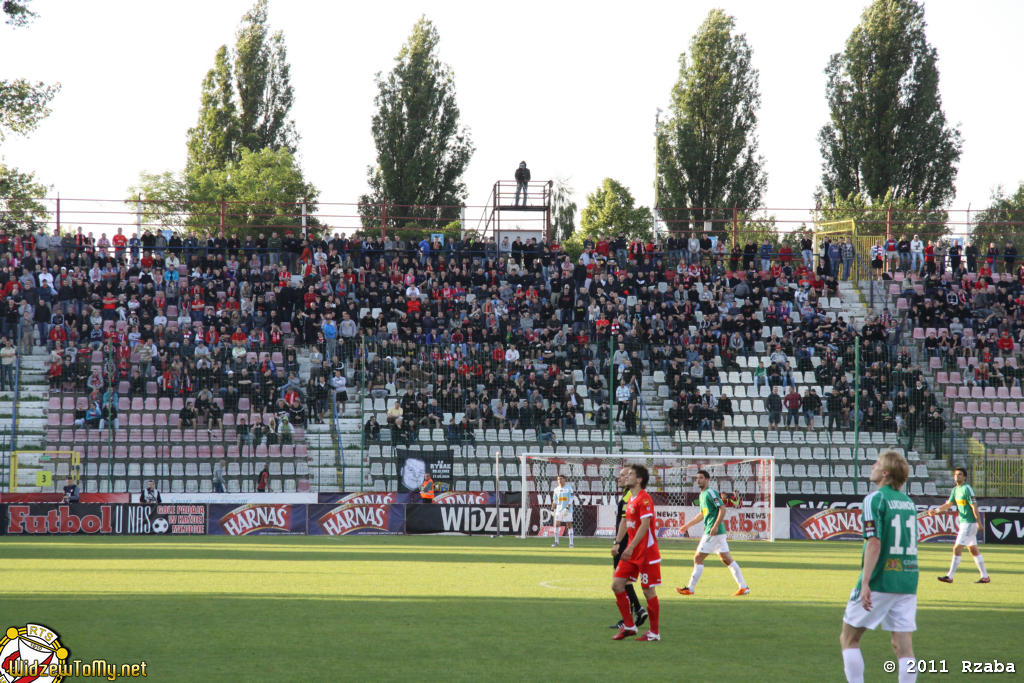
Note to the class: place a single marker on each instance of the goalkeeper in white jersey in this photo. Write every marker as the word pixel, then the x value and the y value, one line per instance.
pixel 561 506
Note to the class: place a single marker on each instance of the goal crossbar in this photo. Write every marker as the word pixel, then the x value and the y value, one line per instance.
pixel 762 505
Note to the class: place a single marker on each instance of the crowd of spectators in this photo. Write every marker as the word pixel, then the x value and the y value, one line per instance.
pixel 957 256
pixel 463 335
pixel 207 321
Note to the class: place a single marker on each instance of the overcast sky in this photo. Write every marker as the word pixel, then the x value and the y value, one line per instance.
pixel 570 87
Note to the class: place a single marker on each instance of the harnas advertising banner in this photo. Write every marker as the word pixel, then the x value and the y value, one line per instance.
pixel 440 497
pixel 357 513
pixel 464 519
pixel 100 519
pixel 839 524
pixel 257 519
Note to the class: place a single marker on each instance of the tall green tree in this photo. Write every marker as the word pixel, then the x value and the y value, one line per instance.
pixel 21 211
pixel 611 210
pixel 214 141
pixel 888 213
pixel 16 12
pixel 246 98
pixel 563 209
pixel 242 149
pixel 23 105
pixel 707 148
pixel 422 149
pixel 263 81
pixel 262 188
pixel 887 132
pixel 1002 221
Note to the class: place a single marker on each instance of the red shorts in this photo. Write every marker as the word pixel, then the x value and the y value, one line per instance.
pixel 649 575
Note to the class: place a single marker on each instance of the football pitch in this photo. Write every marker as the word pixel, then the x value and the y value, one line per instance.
pixel 475 608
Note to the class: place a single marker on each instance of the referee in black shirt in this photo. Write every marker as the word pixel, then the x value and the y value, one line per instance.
pixel 619 544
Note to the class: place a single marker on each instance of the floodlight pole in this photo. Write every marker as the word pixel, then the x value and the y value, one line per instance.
pixel 497 494
pixel 611 389
pixel 657 127
pixel 856 405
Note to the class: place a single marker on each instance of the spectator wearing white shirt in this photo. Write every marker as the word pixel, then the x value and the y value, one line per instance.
pixel 511 355
pixel 45 279
pixel 102 245
pixel 623 395
pixel 340 385
pixel 916 254
pixel 692 250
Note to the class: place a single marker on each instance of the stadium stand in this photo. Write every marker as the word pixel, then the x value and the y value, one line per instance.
pixel 157 360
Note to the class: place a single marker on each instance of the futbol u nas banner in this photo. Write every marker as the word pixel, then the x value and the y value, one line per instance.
pixel 124 519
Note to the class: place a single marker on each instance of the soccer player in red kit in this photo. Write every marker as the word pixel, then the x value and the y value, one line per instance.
pixel 641 559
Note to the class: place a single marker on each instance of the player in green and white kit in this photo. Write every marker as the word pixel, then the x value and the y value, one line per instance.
pixel 886 592
pixel 561 508
pixel 967 537
pixel 712 511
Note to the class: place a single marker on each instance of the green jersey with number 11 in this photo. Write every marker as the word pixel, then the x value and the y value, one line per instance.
pixel 891 517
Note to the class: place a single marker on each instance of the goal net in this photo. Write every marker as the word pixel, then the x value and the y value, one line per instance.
pixel 745 484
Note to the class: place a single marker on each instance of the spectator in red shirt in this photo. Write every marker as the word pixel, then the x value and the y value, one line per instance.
pixel 1005 343
pixel 785 254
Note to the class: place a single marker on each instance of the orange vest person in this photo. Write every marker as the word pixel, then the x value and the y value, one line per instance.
pixel 427 490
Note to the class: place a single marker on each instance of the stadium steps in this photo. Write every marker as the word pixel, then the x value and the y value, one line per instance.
pixel 853 308
pixel 32 396
pixel 938 467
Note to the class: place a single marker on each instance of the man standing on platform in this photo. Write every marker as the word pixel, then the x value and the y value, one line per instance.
pixel 522 179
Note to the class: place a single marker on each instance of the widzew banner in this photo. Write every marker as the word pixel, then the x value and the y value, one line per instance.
pixel 104 520
pixel 464 519
pixel 253 519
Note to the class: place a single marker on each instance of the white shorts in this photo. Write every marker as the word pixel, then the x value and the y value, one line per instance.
pixel 563 516
pixel 968 534
pixel 713 545
pixel 895 612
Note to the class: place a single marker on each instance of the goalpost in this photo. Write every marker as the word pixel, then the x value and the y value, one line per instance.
pixel 41 469
pixel 747 486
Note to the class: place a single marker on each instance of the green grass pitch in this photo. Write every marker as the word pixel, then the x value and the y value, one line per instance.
pixel 476 608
